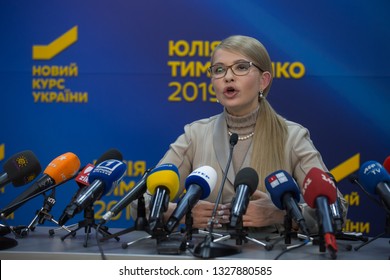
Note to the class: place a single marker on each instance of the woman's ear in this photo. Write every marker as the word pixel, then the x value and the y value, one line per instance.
pixel 265 80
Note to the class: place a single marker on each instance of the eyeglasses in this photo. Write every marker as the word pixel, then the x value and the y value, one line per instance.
pixel 239 69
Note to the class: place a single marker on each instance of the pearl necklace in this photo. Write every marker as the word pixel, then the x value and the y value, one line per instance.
pixel 241 138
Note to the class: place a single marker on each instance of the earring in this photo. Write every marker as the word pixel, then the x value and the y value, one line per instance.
pixel 261 96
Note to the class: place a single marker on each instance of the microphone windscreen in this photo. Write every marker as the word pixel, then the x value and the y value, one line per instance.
pixel 386 164
pixel 205 177
pixel 22 168
pixel 317 183
pixel 110 172
pixel 63 167
pixel 110 154
pixel 278 183
pixel 247 176
pixel 371 173
pixel 233 139
pixel 166 175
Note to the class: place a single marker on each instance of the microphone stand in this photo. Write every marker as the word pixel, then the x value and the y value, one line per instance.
pixel 140 223
pixel 241 235
pixel 88 223
pixel 17 204
pixel 387 231
pixel 208 248
pixel 328 242
pixel 287 234
pixel 42 215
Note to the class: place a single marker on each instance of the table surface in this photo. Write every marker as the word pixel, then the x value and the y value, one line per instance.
pixel 39 244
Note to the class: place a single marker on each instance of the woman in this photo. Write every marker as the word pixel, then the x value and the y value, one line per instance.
pixel 241 75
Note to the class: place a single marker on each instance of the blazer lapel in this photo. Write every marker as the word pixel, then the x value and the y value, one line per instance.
pixel 222 146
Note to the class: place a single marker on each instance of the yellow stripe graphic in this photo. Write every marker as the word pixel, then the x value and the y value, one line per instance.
pixel 346 168
pixel 46 52
pixel 1 151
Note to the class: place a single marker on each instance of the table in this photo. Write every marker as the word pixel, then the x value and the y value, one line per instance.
pixel 39 245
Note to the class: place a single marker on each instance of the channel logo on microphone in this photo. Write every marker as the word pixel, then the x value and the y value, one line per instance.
pixel 373 169
pixel 83 176
pixel 277 179
pixel 107 167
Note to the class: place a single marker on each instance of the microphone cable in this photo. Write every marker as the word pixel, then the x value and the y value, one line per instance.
pixel 100 247
pixel 306 241
pixel 353 179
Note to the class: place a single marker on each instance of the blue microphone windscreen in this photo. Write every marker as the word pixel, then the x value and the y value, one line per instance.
pixel 278 183
pixel 205 177
pixel 110 172
pixel 371 173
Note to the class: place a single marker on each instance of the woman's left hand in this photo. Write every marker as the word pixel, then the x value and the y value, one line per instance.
pixel 262 212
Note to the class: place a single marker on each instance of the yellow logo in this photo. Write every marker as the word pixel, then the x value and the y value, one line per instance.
pixel 21 161
pixel 346 168
pixel 47 52
pixel 1 151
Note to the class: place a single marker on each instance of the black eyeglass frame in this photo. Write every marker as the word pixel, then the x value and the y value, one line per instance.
pixel 230 67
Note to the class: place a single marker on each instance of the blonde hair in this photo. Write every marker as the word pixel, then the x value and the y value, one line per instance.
pixel 268 153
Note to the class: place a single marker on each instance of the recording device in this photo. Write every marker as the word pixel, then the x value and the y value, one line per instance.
pixel 336 210
pixel 208 248
pixel 199 184
pixel 102 180
pixel 376 180
pixel 285 194
pixel 61 169
pixel 82 177
pixel 245 185
pixel 135 192
pixel 319 191
pixel 232 141
pixel 20 169
pixel 163 184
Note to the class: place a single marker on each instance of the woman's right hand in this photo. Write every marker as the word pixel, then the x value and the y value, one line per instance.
pixel 202 212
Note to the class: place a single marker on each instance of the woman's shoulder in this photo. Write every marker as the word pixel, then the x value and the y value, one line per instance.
pixel 203 122
pixel 296 130
pixel 294 126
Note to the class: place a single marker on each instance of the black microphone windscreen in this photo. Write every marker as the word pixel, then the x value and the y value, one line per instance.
pixel 22 168
pixel 247 176
pixel 233 139
pixel 110 154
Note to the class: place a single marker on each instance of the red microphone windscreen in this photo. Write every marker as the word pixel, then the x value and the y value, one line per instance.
pixel 82 177
pixel 386 164
pixel 317 183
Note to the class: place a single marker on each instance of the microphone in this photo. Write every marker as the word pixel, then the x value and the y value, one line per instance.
pixel 319 191
pixel 208 248
pixel 135 192
pixel 232 141
pixel 163 183
pixel 20 169
pixel 199 184
pixel 82 177
pixel 59 170
pixel 386 164
pixel 376 181
pixel 245 185
pixel 285 194
pixel 102 180
pixel 336 210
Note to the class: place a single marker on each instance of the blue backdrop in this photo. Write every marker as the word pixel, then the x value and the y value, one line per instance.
pixel 111 82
